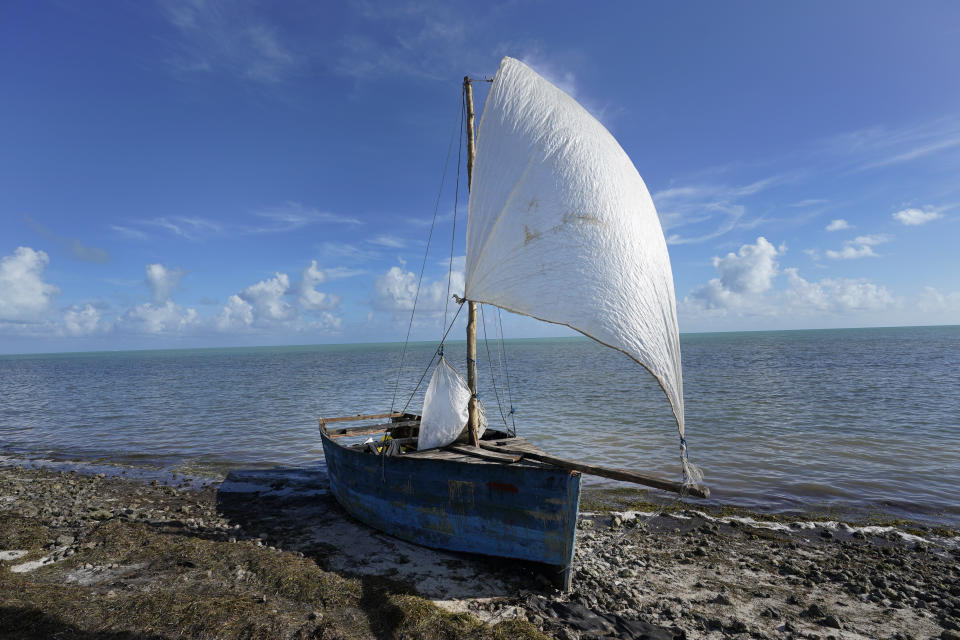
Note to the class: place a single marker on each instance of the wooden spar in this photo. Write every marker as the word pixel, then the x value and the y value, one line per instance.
pixel 471 150
pixel 370 416
pixel 699 491
pixel 473 420
pixel 371 429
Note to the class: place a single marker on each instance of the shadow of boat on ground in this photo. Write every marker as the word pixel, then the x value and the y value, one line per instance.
pixel 292 509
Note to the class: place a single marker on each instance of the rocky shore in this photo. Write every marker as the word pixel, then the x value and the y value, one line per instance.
pixel 269 554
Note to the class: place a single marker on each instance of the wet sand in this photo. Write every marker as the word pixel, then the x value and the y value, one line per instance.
pixel 265 556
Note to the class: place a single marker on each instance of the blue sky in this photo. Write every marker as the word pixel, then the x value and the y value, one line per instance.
pixel 199 173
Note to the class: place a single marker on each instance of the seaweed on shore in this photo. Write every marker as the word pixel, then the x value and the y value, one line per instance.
pixel 114 577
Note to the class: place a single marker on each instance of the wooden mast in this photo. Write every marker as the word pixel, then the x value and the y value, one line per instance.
pixel 472 408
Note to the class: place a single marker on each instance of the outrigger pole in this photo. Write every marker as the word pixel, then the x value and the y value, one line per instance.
pixel 472 409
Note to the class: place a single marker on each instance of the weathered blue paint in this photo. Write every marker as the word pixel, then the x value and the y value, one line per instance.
pixel 508 510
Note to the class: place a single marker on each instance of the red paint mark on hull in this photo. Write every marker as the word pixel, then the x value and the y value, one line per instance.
pixel 503 487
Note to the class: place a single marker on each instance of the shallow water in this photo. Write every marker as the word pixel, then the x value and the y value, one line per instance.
pixel 858 421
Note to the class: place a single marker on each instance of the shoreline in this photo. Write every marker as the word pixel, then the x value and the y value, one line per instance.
pixel 605 495
pixel 264 555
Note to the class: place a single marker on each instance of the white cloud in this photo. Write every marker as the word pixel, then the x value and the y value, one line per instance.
pixel 312 299
pixel 81 321
pixel 859 247
pixel 237 314
pixel 838 225
pixel 746 286
pixel 840 295
pixel 914 217
pixel 747 273
pixel 751 270
pixel 933 301
pixel 266 298
pixel 162 281
pixel 397 288
pixel 163 318
pixel 278 303
pixel 24 296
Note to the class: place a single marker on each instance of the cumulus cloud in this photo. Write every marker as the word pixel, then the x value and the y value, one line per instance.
pixel 859 247
pixel 312 299
pixel 24 296
pixel 746 285
pixel 838 225
pixel 162 281
pixel 158 319
pixel 278 302
pixel 835 295
pixel 933 301
pixel 747 273
pixel 236 314
pixel 915 217
pixel 81 321
pixel 266 298
pixel 396 290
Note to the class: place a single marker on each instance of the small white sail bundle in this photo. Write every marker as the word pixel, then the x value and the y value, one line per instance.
pixel 444 414
pixel 562 228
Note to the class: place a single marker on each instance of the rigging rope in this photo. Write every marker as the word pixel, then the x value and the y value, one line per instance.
pixel 456 200
pixel 493 378
pixel 416 295
pixel 439 352
pixel 505 372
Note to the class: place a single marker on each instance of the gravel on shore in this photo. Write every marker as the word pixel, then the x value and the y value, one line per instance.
pixel 268 556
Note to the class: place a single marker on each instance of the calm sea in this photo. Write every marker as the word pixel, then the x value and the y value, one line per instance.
pixel 858 421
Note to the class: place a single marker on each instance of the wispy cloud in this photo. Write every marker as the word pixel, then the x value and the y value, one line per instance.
pixel 288 217
pixel 77 249
pixel 709 211
pixel 809 202
pixel 228 36
pixel 881 146
pixel 191 228
pixel 128 232
pixel 424 41
pixel 292 216
pixel 384 240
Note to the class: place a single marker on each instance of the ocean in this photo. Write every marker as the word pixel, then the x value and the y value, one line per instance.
pixel 852 422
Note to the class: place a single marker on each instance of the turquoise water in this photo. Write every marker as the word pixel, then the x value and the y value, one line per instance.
pixel 857 420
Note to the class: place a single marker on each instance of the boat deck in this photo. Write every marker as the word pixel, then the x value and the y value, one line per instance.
pixel 475 455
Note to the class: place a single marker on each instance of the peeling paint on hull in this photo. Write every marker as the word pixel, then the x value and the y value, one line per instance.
pixel 461 506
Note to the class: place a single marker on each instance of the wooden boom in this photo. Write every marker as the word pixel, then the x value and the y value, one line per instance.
pixel 698 490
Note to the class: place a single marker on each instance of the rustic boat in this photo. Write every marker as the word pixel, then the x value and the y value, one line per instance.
pixel 560 228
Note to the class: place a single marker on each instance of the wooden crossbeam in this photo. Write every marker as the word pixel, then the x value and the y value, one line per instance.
pixel 484 453
pixel 371 416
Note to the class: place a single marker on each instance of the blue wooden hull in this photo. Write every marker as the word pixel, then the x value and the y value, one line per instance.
pixel 507 510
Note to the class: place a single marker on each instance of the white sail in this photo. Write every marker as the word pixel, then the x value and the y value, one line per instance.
pixel 444 414
pixel 561 227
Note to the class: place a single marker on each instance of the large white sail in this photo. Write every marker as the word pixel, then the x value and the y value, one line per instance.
pixel 562 228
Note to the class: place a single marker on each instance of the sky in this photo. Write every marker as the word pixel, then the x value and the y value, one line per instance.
pixel 200 173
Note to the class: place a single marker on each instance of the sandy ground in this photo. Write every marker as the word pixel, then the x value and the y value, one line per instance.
pixel 680 574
